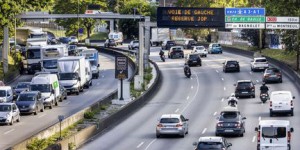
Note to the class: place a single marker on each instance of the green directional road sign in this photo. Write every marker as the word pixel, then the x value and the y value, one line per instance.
pixel 245 19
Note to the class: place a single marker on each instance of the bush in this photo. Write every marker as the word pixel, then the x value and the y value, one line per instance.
pixel 89 115
pixel 38 144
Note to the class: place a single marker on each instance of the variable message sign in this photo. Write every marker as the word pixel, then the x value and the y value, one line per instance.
pixel 190 17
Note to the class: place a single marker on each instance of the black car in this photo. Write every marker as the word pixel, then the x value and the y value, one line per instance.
pixel 168 44
pixel 272 75
pixel 109 43
pixel 176 52
pixel 63 92
pixel 230 122
pixel 72 50
pixel 231 65
pixel 64 40
pixel 190 44
pixel 30 102
pixel 193 60
pixel 245 88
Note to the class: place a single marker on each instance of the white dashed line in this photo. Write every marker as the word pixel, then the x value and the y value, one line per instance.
pixel 140 145
pixel 150 144
pixel 204 130
pixel 257 81
pixel 222 79
pixel 187 97
pixel 102 76
pixel 177 110
pixel 192 87
pixel 259 118
pixel 215 113
pixel 217 71
pixel 98 83
pixel 41 115
pixel 11 130
pixel 224 88
pixel 250 72
pixel 253 139
pixel 222 99
pixel 68 103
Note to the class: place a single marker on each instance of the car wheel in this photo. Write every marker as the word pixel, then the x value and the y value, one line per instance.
pixel 91 83
pixel 157 135
pixel 66 97
pixel 60 99
pixel 271 114
pixel 280 81
pixel 12 121
pixel 77 93
pixel 50 106
pixel 183 135
pixel 19 119
pixel 292 113
pixel 42 110
pixel 36 111
pixel 81 90
pixel 242 134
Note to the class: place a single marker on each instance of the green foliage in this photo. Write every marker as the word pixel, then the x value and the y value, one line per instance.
pixel 103 107
pixel 89 115
pixel 38 144
pixel 71 146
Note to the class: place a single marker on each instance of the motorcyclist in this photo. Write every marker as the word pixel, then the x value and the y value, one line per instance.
pixel 187 69
pixel 161 53
pixel 232 100
pixel 264 88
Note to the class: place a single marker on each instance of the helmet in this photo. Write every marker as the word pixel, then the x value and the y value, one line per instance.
pixel 264 83
pixel 232 95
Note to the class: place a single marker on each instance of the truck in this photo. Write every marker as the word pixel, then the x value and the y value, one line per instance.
pixel 50 55
pixel 158 35
pixel 117 36
pixel 29 36
pixel 88 74
pixel 72 73
pixel 48 85
pixel 33 59
pixel 92 55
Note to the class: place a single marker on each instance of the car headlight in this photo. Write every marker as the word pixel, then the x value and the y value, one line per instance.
pixel 32 106
pixel 7 115
pixel 29 66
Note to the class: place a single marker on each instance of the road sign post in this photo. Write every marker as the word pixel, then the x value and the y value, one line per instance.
pixel 121 70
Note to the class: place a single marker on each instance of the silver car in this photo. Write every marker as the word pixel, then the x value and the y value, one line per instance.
pixel 9 113
pixel 172 124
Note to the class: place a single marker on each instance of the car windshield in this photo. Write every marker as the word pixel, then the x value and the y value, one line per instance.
pixel 260 60
pixel 229 115
pixel 216 45
pixel 200 48
pixel 244 84
pixel 272 71
pixel 72 47
pixel 169 120
pixel 50 64
pixel 210 146
pixel 33 54
pixel 68 76
pixel 5 108
pixel 111 40
pixel 273 132
pixel 136 42
pixel 72 37
pixel 194 56
pixel 40 87
pixel 26 97
pixel 170 42
pixel 93 63
pixel 22 85
pixel 231 62
pixel 177 49
pixel 2 93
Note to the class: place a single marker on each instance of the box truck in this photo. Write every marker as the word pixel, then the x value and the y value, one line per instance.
pixel 33 59
pixel 158 35
pixel 48 85
pixel 30 36
pixel 93 56
pixel 117 36
pixel 72 73
pixel 50 55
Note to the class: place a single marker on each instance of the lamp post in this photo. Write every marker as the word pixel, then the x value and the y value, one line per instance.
pixel 78 19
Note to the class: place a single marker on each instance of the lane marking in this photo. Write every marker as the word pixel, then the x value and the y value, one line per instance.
pixel 257 81
pixel 222 99
pixel 217 71
pixel 11 130
pixel 215 113
pixel 253 139
pixel 250 72
pixel 204 130
pixel 224 88
pixel 140 145
pixel 177 110
pixel 150 144
pixel 102 76
pixel 192 87
pixel 259 118
pixel 41 115
pixel 222 79
pixel 187 97
pixel 68 102
pixel 98 83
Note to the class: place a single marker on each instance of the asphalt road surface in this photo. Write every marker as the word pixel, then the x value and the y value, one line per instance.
pixel 200 99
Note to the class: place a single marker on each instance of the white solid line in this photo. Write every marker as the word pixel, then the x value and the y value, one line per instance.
pixel 257 81
pixel 140 145
pixel 41 115
pixel 224 88
pixel 253 139
pixel 150 144
pixel 192 87
pixel 187 97
pixel 11 130
pixel 204 130
pixel 222 79
pixel 217 71
pixel 177 110
pixel 102 76
pixel 259 118
pixel 215 113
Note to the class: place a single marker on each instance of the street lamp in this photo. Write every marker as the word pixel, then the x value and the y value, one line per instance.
pixel 78 19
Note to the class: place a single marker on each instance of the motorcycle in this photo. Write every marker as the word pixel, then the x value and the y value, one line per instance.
pixel 264 97
pixel 162 57
pixel 188 74
pixel 232 103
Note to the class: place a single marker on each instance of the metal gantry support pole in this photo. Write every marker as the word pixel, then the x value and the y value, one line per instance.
pixel 147 42
pixel 141 49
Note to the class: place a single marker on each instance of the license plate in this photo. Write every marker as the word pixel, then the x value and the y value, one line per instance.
pixel 273 76
pixel 261 67
pixel 177 53
pixel 232 65
pixel 244 92
pixel 194 61
pixel 228 131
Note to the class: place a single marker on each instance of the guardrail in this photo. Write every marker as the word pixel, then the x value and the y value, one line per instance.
pixel 72 118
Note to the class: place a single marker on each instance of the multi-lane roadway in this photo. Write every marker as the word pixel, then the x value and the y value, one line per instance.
pixel 30 124
pixel 200 99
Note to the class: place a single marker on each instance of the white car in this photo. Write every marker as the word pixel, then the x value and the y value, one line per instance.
pixel 281 102
pixel 201 50
pixel 259 63
pixel 211 142
pixel 133 44
pixel 73 39
pixel 9 113
pixel 172 124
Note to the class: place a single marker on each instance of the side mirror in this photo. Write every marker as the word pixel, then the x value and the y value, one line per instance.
pixel 293 97
pixel 98 65
pixel 229 144
pixel 79 79
pixel 252 61
pixel 256 129
pixel 187 119
pixel 292 129
pixel 52 91
pixel 195 143
pixel 234 84
pixel 244 118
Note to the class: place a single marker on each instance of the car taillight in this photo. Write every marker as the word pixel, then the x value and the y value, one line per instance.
pixel 237 125
pixel 278 74
pixel 270 103
pixel 258 136
pixel 179 125
pixel 252 88
pixel 160 125
pixel 220 125
pixel 292 103
pixel 289 136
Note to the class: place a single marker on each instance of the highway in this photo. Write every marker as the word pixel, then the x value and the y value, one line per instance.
pixel 200 99
pixel 31 124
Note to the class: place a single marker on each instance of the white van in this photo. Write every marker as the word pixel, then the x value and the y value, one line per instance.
pixel 274 135
pixel 6 94
pixel 281 102
pixel 48 85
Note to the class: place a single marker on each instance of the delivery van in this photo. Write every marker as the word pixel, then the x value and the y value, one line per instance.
pixel 48 85
pixel 274 135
